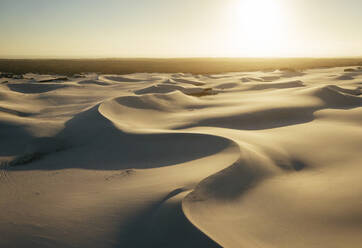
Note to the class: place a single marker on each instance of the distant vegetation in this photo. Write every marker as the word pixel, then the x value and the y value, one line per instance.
pixel 185 65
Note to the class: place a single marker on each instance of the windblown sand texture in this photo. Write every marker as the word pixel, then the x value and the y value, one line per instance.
pixel 259 159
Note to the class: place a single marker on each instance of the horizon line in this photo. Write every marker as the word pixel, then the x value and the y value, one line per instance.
pixel 165 58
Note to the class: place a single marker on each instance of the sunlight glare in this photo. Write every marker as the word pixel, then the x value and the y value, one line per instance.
pixel 259 25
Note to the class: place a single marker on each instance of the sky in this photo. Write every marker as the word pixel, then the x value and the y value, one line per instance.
pixel 180 28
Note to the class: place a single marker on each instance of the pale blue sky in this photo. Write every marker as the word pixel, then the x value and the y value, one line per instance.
pixel 180 28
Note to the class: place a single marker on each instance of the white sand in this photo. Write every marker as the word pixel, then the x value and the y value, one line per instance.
pixel 260 159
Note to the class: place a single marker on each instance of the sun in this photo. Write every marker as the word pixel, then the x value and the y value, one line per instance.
pixel 259 27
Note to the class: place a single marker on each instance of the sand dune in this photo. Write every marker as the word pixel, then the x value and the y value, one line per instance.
pixel 251 159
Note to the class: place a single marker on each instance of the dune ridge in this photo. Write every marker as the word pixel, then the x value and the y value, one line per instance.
pixel 249 159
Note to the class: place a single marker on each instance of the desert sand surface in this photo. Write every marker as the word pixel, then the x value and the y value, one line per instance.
pixel 244 159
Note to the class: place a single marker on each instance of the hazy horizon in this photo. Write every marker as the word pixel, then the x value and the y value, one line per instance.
pixel 173 29
pixel 169 58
